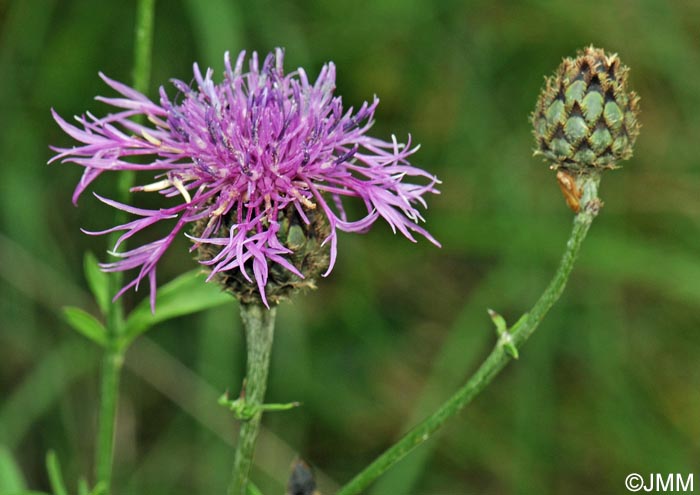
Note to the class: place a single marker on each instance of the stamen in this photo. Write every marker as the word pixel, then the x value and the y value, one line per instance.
pixel 268 207
pixel 150 139
pixel 156 186
pixel 225 205
pixel 185 193
pixel 303 199
pixel 171 149
pixel 156 121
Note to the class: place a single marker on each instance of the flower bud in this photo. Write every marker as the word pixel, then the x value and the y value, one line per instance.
pixel 586 118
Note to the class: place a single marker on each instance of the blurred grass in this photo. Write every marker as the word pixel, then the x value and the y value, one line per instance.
pixel 609 384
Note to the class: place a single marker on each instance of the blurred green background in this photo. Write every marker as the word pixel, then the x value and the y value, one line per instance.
pixel 610 384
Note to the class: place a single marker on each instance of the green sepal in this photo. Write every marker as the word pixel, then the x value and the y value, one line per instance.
pixel 295 238
pixel 585 156
pixel 575 92
pixel 576 129
pixel 620 144
pixel 592 106
pixel 613 115
pixel 561 148
pixel 556 113
pixel 601 139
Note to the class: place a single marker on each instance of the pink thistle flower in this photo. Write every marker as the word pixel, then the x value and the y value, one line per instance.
pixel 237 154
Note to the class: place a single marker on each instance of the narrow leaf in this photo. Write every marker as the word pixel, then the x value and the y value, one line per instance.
pixel 99 489
pixel 251 489
pixel 11 479
pixel 83 487
pixel 55 476
pixel 498 321
pixel 188 293
pixel 97 280
pixel 85 324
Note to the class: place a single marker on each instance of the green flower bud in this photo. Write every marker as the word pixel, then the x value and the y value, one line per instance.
pixel 585 117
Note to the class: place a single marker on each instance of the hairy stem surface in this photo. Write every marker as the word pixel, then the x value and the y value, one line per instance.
pixel 114 354
pixel 259 325
pixel 502 353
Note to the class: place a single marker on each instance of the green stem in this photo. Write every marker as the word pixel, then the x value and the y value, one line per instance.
pixel 259 325
pixel 114 355
pixel 143 45
pixel 109 389
pixel 499 356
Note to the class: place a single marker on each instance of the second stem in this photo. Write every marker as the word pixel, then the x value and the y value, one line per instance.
pixel 259 326
pixel 511 339
pixel 113 357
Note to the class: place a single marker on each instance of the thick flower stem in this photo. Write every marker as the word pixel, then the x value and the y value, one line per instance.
pixel 113 357
pixel 259 325
pixel 506 348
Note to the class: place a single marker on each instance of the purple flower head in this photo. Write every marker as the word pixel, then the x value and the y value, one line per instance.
pixel 239 153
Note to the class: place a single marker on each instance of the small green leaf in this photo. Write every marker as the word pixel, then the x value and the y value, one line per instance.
pixel 251 489
pixel 99 489
pixel 498 321
pixel 98 281
pixel 55 476
pixel 11 479
pixel 85 324
pixel 188 293
pixel 83 487
pixel 511 350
